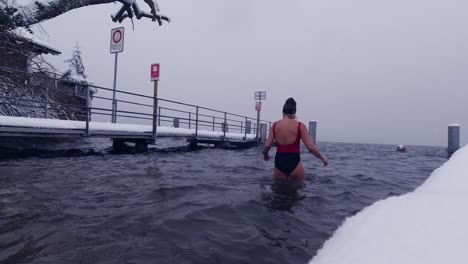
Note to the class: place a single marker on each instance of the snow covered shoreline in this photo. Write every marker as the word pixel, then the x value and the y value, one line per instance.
pixel 428 225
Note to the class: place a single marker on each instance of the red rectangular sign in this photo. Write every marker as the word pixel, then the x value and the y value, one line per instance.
pixel 258 106
pixel 155 71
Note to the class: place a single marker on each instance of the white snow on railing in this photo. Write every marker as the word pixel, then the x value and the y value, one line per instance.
pixel 9 121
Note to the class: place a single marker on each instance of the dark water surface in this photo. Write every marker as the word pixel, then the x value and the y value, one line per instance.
pixel 89 205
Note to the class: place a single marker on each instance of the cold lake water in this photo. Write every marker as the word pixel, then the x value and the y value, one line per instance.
pixel 80 202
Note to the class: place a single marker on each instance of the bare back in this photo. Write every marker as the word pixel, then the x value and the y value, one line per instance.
pixel 286 131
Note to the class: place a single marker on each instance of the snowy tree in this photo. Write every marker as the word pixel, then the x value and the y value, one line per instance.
pixel 76 70
pixel 23 13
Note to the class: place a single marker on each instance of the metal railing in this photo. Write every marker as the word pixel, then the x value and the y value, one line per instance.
pixel 88 101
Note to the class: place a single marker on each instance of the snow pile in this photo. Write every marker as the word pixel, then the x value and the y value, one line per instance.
pixel 25 34
pixel 429 225
pixel 10 121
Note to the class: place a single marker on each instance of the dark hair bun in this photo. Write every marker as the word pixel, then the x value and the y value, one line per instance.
pixel 289 107
pixel 291 102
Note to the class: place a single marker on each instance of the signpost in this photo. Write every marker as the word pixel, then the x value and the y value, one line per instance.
pixel 116 46
pixel 155 69
pixel 258 106
pixel 259 96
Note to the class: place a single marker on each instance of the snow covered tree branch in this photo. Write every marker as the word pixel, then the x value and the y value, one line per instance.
pixel 23 13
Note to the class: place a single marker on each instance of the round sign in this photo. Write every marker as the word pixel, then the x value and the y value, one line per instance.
pixel 117 36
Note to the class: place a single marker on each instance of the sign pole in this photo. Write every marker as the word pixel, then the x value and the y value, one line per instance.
pixel 155 69
pixel 116 46
pixel 259 96
pixel 114 102
pixel 258 127
pixel 155 109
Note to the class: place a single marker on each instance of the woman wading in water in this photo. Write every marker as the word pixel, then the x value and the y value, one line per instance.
pixel 288 133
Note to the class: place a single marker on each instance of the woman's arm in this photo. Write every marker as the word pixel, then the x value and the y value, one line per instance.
pixel 310 145
pixel 268 144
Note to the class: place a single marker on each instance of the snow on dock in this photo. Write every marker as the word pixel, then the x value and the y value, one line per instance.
pixel 102 127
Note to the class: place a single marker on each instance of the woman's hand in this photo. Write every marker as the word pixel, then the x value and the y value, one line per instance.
pixel 325 161
pixel 266 157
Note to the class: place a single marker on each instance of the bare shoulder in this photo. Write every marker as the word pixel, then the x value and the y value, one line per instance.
pixel 303 126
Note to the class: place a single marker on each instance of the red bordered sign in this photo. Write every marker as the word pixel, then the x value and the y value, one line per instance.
pixel 117 40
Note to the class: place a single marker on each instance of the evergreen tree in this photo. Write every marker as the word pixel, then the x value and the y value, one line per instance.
pixel 76 68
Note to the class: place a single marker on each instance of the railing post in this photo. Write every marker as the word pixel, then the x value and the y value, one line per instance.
pixel 115 111
pixel 196 125
pixel 242 123
pixel 159 117
pixel 47 101
pixel 88 110
pixel 245 131
pixel 55 81
pixel 189 120
pixel 225 126
pixel 213 123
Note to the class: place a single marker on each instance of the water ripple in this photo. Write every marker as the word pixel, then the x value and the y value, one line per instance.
pixel 83 203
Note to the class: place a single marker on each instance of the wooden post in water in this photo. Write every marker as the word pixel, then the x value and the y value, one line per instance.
pixel 248 126
pixel 263 133
pixel 175 122
pixel 313 131
pixel 141 146
pixel 453 138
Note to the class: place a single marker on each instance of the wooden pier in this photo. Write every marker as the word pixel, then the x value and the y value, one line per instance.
pixel 139 119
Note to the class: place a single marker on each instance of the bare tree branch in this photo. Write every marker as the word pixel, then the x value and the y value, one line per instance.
pixel 42 12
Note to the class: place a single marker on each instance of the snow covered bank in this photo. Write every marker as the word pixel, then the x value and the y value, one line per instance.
pixel 429 225
pixel 10 121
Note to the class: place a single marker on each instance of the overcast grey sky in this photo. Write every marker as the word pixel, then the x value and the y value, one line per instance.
pixel 369 71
